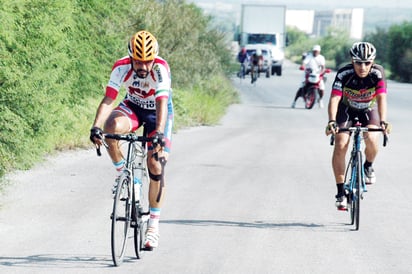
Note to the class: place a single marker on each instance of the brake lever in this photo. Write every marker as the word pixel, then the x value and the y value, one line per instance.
pixel 99 153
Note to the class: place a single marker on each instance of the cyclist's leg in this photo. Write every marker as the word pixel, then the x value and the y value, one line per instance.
pixel 243 68
pixel 156 170
pixel 339 167
pixel 338 158
pixel 371 119
pixel 121 120
pixel 341 147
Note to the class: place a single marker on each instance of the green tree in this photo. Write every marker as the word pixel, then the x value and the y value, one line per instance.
pixel 400 51
pixel 298 43
pixel 380 39
pixel 335 46
pixel 56 57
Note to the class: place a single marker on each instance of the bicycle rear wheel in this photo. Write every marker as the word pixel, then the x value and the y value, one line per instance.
pixel 121 219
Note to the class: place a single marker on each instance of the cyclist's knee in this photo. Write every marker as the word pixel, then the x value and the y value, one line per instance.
pixel 155 165
pixel 117 123
pixel 341 143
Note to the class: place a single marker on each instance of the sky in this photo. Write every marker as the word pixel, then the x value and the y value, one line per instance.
pixel 322 4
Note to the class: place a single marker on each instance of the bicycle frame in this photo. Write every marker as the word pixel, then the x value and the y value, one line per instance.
pixel 355 185
pixel 356 157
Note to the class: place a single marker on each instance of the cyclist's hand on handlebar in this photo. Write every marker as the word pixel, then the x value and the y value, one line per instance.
pixel 158 141
pixel 387 127
pixel 331 128
pixel 96 136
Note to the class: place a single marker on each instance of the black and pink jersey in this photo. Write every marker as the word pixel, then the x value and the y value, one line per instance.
pixel 141 92
pixel 359 93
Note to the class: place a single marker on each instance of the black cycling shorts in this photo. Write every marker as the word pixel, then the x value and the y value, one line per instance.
pixel 346 116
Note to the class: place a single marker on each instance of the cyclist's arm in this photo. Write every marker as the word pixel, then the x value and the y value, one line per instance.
pixel 333 106
pixel 382 106
pixel 161 114
pixel 103 111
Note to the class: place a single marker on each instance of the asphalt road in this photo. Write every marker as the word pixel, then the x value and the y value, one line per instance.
pixel 254 194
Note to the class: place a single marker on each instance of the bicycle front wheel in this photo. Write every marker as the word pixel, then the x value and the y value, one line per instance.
pixel 142 213
pixel 310 98
pixel 358 186
pixel 139 234
pixel 121 219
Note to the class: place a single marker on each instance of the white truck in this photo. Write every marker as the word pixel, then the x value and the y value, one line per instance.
pixel 264 24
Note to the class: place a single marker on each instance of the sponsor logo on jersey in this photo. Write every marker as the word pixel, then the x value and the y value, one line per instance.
pixel 156 68
pixel 135 91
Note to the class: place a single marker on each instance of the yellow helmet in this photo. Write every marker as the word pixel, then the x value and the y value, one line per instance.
pixel 143 46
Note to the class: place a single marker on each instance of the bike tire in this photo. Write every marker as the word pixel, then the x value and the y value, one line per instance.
pixel 139 230
pixel 138 235
pixel 255 76
pixel 120 219
pixel 350 195
pixel 358 186
pixel 310 98
pixel 142 211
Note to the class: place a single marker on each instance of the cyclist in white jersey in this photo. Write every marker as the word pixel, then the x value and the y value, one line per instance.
pixel 147 80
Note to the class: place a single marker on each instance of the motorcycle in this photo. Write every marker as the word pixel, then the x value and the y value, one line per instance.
pixel 310 91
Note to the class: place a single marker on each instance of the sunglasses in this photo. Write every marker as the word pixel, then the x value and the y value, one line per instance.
pixel 367 63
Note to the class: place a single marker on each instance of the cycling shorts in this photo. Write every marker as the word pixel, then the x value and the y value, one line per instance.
pixel 138 117
pixel 346 115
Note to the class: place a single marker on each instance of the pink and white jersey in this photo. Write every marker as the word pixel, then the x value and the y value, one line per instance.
pixel 142 92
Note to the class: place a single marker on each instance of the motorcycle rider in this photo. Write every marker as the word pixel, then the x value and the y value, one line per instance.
pixel 316 62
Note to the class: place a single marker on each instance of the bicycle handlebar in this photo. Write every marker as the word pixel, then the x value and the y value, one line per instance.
pixel 361 129
pixel 129 137
pixel 133 137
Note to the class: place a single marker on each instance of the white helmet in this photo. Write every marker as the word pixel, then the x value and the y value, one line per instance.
pixel 363 51
pixel 316 48
pixel 258 52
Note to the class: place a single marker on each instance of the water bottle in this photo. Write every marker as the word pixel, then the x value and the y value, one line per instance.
pixel 137 175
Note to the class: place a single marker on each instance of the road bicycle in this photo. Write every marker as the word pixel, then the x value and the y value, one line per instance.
pixel 130 204
pixel 242 71
pixel 255 74
pixel 354 183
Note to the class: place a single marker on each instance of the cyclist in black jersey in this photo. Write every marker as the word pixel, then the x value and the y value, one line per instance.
pixel 359 90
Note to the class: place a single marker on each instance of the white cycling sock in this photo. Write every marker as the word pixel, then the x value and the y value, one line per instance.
pixel 154 217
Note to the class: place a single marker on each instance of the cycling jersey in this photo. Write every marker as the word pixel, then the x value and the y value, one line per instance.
pixel 242 57
pixel 139 104
pixel 359 93
pixel 141 92
pixel 255 59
